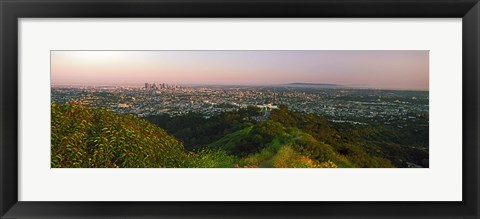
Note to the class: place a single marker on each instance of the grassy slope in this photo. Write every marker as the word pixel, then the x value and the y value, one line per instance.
pixel 96 138
pixel 83 137
pixel 229 141
pixel 286 149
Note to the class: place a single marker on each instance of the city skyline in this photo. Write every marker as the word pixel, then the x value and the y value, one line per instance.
pixel 363 69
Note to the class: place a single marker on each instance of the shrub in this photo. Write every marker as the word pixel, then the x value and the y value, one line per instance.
pixel 96 138
pixel 210 159
pixel 287 157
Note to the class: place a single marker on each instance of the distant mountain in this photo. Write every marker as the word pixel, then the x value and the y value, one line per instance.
pixel 315 84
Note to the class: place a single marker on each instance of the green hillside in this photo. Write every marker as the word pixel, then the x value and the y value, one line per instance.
pixel 95 138
pixel 306 138
pixel 271 144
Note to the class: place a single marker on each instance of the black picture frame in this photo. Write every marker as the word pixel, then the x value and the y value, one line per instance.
pixel 12 10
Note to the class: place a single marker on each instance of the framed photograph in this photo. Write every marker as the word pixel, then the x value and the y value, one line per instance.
pixel 255 109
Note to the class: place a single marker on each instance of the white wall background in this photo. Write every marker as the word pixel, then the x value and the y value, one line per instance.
pixel 441 182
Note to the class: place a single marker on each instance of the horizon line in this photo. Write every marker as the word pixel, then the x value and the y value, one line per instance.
pixel 295 84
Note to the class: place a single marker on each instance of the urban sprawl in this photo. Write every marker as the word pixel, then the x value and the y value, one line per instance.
pixel 339 104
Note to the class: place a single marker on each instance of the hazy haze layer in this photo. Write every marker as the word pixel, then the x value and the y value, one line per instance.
pixel 396 69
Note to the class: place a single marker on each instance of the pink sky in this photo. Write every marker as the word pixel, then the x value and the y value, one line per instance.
pixel 396 69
